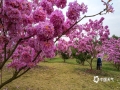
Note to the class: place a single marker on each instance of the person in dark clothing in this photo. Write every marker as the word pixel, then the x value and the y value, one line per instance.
pixel 99 63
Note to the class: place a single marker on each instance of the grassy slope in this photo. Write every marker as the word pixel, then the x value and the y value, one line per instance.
pixel 56 75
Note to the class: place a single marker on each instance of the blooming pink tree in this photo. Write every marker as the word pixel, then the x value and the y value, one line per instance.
pixel 111 49
pixel 86 38
pixel 28 30
pixel 63 49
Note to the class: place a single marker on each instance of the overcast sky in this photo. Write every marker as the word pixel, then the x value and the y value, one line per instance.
pixel 111 19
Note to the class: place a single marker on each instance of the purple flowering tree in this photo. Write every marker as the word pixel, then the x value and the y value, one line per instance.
pixel 111 49
pixel 29 30
pixel 63 49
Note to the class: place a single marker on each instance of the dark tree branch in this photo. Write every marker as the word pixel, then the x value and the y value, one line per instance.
pixel 100 13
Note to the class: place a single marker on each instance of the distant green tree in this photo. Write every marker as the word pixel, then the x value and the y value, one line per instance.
pixel 116 37
pixel 64 56
pixel 80 57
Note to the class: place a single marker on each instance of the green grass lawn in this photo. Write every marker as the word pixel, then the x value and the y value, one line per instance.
pixel 54 74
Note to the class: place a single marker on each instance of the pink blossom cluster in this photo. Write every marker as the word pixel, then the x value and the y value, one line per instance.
pixel 48 49
pixel 47 6
pixel 111 48
pixel 52 1
pixel 26 30
pixel 25 53
pixel 75 9
pixel 23 5
pixel 39 14
pixel 67 24
pixel 23 56
pixel 63 47
pixel 96 28
pixel 15 16
pixel 109 6
pixel 57 19
pixel 45 30
pixel 61 3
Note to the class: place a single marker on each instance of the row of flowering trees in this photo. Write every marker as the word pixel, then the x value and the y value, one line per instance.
pixel 84 49
pixel 29 30
pixel 86 38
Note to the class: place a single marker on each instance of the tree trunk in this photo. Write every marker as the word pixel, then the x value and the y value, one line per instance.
pixel 8 81
pixel 83 63
pixel 64 60
pixel 15 76
pixel 91 64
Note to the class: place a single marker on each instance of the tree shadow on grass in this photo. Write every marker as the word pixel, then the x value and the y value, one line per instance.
pixel 92 72
pixel 110 69
pixel 107 70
